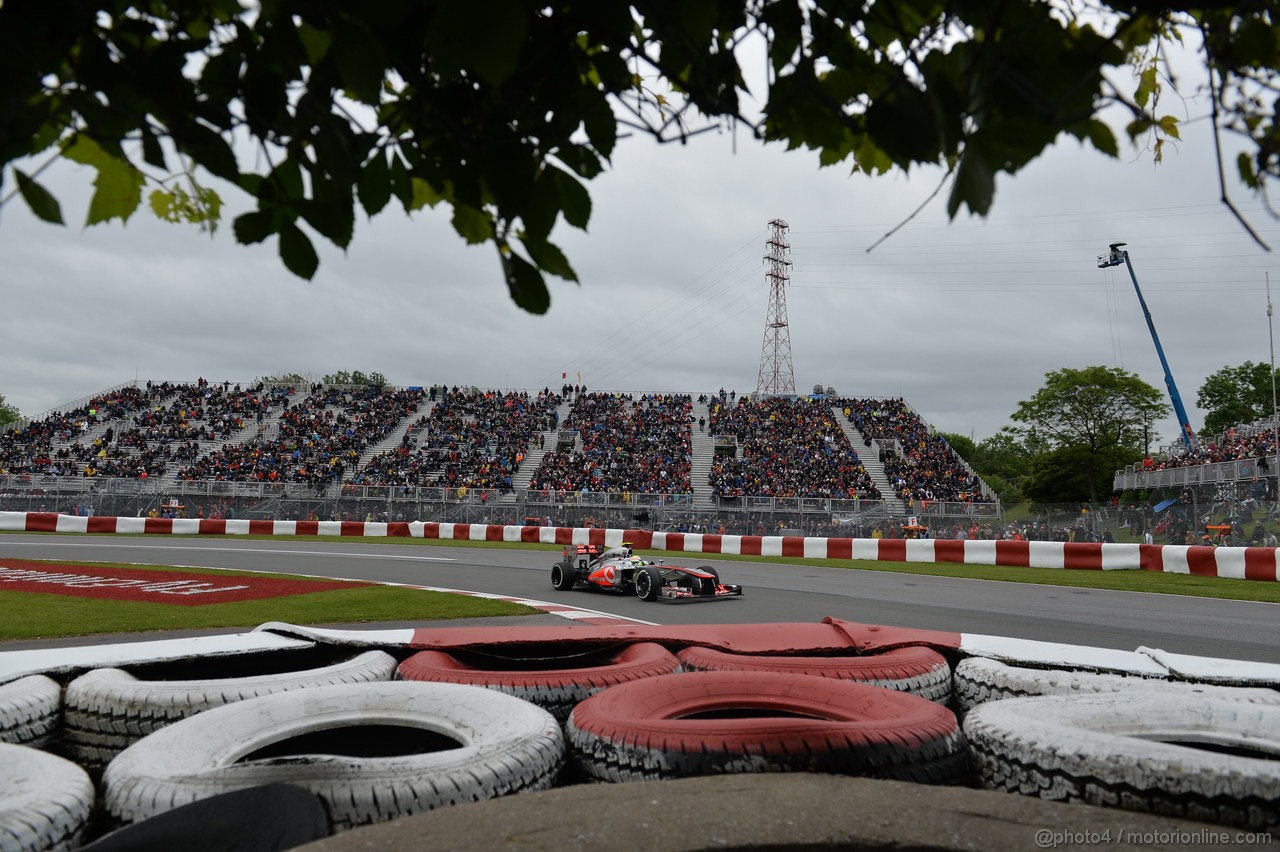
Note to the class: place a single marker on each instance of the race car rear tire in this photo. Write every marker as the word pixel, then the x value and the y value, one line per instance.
pixel 45 800
pixel 915 669
pixel 563 577
pixel 29 711
pixel 648 583
pixel 712 723
pixel 1197 758
pixel 371 751
pixel 556 683
pixel 109 709
pixel 979 680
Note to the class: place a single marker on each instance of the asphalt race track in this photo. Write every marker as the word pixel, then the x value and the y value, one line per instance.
pixel 773 593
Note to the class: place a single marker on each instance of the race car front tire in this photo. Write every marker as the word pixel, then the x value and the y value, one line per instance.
pixel 648 583
pixel 713 723
pixel 563 577
pixel 371 751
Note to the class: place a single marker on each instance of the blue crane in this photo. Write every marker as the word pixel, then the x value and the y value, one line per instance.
pixel 1117 256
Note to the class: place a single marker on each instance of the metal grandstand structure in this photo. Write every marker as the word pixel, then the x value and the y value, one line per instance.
pixel 777 375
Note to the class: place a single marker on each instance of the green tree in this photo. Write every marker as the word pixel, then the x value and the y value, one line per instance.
pixel 1070 473
pixel 1095 418
pixel 501 111
pixel 1236 395
pixel 1002 460
pixel 286 379
pixel 355 377
pixel 8 413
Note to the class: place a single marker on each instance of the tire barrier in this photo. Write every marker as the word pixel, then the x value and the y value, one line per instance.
pixel 979 680
pixel 109 709
pixel 45 801
pixel 270 817
pixel 29 711
pixel 371 752
pixel 917 670
pixel 555 683
pixel 1199 758
pixel 1250 563
pixel 711 723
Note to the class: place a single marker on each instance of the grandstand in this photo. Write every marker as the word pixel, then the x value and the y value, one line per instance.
pixel 711 462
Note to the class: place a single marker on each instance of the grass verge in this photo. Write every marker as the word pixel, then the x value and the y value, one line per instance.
pixel 38 615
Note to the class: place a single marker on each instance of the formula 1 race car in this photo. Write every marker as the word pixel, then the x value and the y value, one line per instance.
pixel 619 570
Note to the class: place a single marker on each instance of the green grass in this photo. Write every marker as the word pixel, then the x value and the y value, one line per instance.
pixel 37 615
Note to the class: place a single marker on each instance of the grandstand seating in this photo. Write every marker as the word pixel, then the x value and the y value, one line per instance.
pixel 454 438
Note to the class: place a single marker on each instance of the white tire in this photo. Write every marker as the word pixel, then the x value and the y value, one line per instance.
pixel 1198 758
pixel 979 680
pixel 109 709
pixel 29 709
pixel 426 745
pixel 45 800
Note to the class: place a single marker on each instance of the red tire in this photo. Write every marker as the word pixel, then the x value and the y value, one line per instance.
pixel 711 723
pixel 915 669
pixel 555 683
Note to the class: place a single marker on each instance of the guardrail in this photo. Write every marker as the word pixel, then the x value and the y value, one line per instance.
pixel 1238 470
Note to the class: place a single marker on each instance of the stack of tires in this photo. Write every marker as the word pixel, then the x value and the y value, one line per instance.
pixel 323 749
pixel 1200 752
pixel 342 738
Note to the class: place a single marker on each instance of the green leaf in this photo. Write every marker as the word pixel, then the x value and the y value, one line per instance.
pixel 485 38
pixel 375 183
pixel 424 195
pixel 574 200
pixel 1102 138
pixel 1244 166
pixel 39 199
pixel 360 60
pixel 315 42
pixel 549 258
pixel 600 123
pixel 297 252
pixel 524 282
pixel 152 153
pixel 118 186
pixel 1147 84
pixel 472 225
pixel 975 183
pixel 254 227
pixel 1168 124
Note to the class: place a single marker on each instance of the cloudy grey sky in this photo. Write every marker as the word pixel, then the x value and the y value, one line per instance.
pixel 961 319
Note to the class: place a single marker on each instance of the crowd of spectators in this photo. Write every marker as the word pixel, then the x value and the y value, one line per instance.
pixel 471 439
pixel 60 444
pixel 628 445
pixel 920 464
pixel 1233 445
pixel 318 438
pixel 789 448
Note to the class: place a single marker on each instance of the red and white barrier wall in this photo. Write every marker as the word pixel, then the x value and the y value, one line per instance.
pixel 1244 563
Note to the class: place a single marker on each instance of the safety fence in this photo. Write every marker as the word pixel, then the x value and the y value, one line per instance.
pixel 1247 563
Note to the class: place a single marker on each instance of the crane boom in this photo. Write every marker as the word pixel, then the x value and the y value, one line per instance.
pixel 1117 256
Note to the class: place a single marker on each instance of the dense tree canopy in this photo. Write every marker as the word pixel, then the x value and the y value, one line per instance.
pixel 502 110
pixel 8 414
pixel 1236 395
pixel 1097 418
